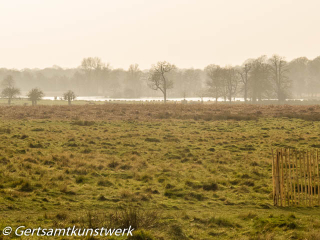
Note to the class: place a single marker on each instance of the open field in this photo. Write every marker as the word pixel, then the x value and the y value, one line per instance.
pixel 197 101
pixel 174 172
pixel 149 111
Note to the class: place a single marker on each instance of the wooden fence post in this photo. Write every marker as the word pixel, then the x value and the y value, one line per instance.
pixel 296 198
pixel 304 176
pixel 318 178
pixel 276 179
pixel 309 177
pixel 295 177
pixel 285 183
pixel 301 190
pixel 313 178
pixel 290 180
pixel 273 179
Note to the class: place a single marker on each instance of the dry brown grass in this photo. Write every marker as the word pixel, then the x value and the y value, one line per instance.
pixel 156 111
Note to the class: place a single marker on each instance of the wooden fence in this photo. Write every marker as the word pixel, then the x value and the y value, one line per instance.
pixel 295 177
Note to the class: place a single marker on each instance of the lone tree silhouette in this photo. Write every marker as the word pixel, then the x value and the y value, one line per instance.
pixel 9 90
pixel 35 95
pixel 158 78
pixel 70 96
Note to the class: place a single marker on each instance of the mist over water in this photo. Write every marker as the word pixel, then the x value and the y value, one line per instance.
pixel 262 78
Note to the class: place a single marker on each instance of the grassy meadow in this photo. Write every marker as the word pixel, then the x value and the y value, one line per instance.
pixel 171 171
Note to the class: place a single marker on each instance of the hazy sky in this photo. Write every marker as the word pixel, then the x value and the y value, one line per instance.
pixel 41 33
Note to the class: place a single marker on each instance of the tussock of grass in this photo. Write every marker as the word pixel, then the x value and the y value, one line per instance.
pixel 26 187
pixel 125 216
pixel 210 186
pixel 223 222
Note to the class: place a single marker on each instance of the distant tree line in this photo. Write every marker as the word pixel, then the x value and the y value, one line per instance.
pixel 10 91
pixel 254 80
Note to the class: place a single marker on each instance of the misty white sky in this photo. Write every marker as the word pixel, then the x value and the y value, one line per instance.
pixel 38 33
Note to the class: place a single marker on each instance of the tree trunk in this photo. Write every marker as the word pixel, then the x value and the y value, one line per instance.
pixel 164 89
pixel 69 101
pixel 245 94
pixel 9 101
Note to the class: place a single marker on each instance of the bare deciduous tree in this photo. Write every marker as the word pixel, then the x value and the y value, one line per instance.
pixel 8 81
pixel 244 77
pixel 231 81
pixel 299 73
pixel 134 71
pixel 132 83
pixel 9 90
pixel 91 64
pixel 313 83
pixel 214 75
pixel 158 79
pixel 259 79
pixel 279 78
pixel 95 72
pixel 202 93
pixel 190 81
